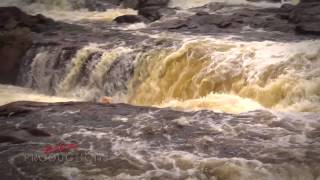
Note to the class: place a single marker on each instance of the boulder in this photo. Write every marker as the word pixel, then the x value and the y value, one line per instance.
pixel 138 4
pixel 128 19
pixel 306 16
pixel 151 13
pixel 13 46
pixel 152 10
pixel 159 3
pixel 12 18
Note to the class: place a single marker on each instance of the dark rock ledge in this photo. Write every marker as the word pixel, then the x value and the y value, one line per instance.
pixel 16 31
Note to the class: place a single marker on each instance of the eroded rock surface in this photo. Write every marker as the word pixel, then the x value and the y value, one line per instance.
pixel 215 18
pixel 16 37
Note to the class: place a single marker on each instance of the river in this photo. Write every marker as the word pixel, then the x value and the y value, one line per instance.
pixel 262 80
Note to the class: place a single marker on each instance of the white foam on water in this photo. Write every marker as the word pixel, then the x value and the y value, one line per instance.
pixel 197 3
pixel 10 94
pixel 229 75
pixel 62 10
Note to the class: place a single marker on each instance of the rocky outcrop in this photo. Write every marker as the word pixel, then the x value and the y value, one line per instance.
pixel 129 19
pixel 151 13
pixel 289 19
pixel 208 21
pixel 145 14
pixel 16 28
pixel 138 4
pixel 13 46
pixel 152 10
pixel 307 17
pixel 13 18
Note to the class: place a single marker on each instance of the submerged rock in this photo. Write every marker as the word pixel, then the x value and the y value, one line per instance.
pixel 129 19
pixel 138 4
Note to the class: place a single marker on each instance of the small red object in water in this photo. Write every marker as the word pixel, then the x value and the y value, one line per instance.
pixel 59 148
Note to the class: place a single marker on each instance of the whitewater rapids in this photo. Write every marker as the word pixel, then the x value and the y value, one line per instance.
pixel 262 97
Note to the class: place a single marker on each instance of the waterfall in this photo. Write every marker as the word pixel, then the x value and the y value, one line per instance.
pixel 219 92
pixel 280 80
pixel 231 76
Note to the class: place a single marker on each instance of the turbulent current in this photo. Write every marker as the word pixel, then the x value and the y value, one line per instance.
pixel 271 88
pixel 194 73
pixel 223 75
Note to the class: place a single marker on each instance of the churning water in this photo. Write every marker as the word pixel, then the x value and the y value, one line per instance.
pixel 192 73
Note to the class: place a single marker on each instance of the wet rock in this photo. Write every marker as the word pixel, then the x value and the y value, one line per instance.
pixel 150 9
pixel 159 3
pixel 212 18
pixel 10 139
pixel 308 28
pixel 307 17
pixel 129 19
pixel 36 132
pixel 287 7
pixel 306 12
pixel 12 18
pixel 202 13
pixel 13 46
pixel 236 21
pixel 138 4
pixel 272 1
pixel 151 13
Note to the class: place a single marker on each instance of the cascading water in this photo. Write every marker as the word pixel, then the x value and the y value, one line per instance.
pixel 93 87
pixel 226 75
pixel 201 70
